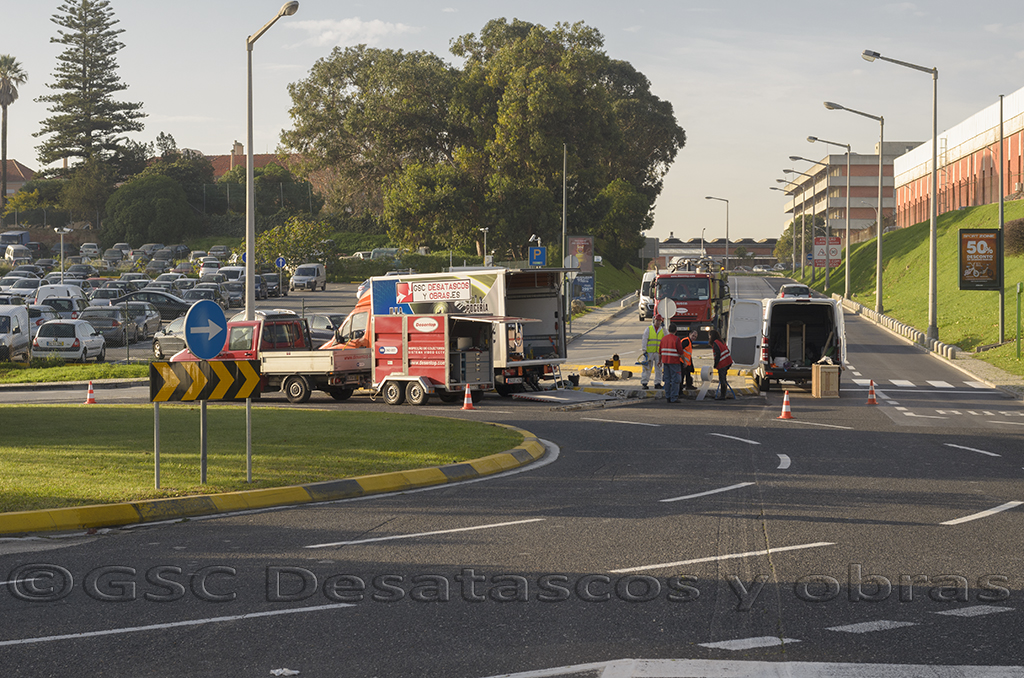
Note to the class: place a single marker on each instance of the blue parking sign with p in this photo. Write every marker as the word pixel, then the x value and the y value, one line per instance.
pixel 538 256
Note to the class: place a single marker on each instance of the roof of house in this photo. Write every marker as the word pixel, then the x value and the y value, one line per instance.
pixel 222 164
pixel 16 172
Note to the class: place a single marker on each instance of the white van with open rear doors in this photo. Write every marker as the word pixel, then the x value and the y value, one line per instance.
pixel 646 296
pixel 782 339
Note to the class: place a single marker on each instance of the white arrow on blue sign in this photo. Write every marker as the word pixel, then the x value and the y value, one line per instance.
pixel 205 329
pixel 280 262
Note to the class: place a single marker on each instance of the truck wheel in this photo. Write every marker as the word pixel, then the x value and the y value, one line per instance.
pixel 476 396
pixel 340 394
pixel 504 390
pixel 415 394
pixel 296 389
pixel 394 394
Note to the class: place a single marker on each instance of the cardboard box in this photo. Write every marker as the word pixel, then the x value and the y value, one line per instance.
pixel 825 381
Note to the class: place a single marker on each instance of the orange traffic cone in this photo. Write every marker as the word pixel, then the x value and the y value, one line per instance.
pixel 786 413
pixel 90 398
pixel 871 393
pixel 467 402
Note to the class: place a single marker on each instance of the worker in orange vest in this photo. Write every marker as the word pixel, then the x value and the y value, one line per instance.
pixel 723 360
pixel 671 362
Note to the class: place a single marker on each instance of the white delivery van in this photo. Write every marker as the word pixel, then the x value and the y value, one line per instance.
pixel 308 277
pixel 15 334
pixel 17 253
pixel 60 291
pixel 781 339
pixel 646 296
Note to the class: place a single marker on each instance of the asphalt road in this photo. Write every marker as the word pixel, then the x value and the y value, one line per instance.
pixel 884 536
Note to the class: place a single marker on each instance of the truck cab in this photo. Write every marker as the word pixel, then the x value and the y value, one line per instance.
pixel 700 299
pixel 278 330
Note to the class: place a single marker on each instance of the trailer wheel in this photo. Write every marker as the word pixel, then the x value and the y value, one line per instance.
pixel 447 396
pixel 340 394
pixel 394 394
pixel 296 390
pixel 415 394
pixel 504 390
pixel 476 396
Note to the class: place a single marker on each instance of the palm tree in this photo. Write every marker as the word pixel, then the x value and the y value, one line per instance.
pixel 11 75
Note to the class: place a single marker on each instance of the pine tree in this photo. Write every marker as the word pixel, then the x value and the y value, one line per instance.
pixel 87 123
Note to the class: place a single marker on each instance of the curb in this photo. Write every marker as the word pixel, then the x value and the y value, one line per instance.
pixel 177 508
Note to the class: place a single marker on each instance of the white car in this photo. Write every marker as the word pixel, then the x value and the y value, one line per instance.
pixel 71 340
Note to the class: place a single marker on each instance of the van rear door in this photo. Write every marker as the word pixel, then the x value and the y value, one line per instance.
pixel 746 323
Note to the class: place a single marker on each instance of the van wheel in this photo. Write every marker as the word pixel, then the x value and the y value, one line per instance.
pixel 394 394
pixel 416 394
pixel 323 288
pixel 296 390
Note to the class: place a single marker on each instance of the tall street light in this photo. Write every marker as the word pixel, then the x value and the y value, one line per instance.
pixel 793 243
pixel 803 237
pixel 62 232
pixel 881 152
pixel 711 197
pixel 803 226
pixel 846 291
pixel 933 327
pixel 288 9
pixel 814 201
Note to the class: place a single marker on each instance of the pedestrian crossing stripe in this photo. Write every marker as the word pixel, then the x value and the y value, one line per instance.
pixel 204 380
pixel 906 383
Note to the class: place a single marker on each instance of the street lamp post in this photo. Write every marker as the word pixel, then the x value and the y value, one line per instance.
pixel 846 290
pixel 62 232
pixel 793 239
pixel 288 9
pixel 803 235
pixel 814 218
pixel 484 231
pixel 881 152
pixel 711 197
pixel 814 223
pixel 933 325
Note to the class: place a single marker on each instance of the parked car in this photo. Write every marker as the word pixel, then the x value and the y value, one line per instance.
pixel 779 267
pixel 170 339
pixel 151 247
pixel 323 325
pixel 158 266
pixel 236 293
pixel 90 250
pixel 124 247
pixel 184 268
pixel 220 251
pixel 169 305
pixel 25 287
pixel 103 295
pixel 134 275
pixel 34 269
pixel 68 308
pixel 15 333
pixel 197 293
pixel 196 255
pixel 308 277
pixel 114 322
pixel 71 340
pixel 222 298
pixel 146 318
pixel 274 286
pixel 163 285
pixel 39 314
pixel 794 292
pixel 46 265
pixel 85 270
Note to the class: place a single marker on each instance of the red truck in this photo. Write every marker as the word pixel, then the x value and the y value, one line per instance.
pixel 700 293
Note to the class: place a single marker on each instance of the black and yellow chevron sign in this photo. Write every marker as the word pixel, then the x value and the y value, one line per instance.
pixel 204 380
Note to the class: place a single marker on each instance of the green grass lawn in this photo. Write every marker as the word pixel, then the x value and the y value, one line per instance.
pixel 968 318
pixel 58 456
pixel 11 373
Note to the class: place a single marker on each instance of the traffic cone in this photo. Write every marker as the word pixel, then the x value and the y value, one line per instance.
pixel 90 398
pixel 871 393
pixel 786 413
pixel 467 402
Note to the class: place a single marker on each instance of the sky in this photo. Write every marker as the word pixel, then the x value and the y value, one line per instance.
pixel 746 78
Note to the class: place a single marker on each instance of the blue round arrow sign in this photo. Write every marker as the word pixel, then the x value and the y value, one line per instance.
pixel 280 262
pixel 205 329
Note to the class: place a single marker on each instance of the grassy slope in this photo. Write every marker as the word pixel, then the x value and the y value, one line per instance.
pixel 967 318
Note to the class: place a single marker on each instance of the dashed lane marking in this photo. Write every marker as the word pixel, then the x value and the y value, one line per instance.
pixel 742 440
pixel 730 556
pixel 984 514
pixel 868 627
pixel 975 611
pixel 425 534
pixel 616 421
pixel 941 384
pixel 704 494
pixel 749 643
pixel 971 449
pixel 902 383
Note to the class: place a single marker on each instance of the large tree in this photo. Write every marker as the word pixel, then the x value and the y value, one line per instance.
pixel 87 122
pixel 149 208
pixel 441 151
pixel 11 76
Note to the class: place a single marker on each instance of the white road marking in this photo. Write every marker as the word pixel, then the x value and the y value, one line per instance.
pixel 976 384
pixel 1013 423
pixel 704 494
pixel 984 514
pixel 615 421
pixel 856 374
pixel 862 382
pixel 868 627
pixel 171 625
pixel 814 423
pixel 711 668
pixel 731 556
pixel 901 409
pixel 742 440
pixel 783 461
pixel 941 384
pixel 425 534
pixel 971 449
pixel 902 383
pixel 749 643
pixel 976 611
pixel 921 416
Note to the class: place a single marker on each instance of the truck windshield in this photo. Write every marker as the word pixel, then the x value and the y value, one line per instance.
pixel 696 289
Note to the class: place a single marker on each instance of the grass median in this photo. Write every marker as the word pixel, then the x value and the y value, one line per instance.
pixel 76 455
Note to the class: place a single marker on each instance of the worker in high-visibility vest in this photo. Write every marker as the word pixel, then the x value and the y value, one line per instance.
pixel 687 358
pixel 723 360
pixel 651 359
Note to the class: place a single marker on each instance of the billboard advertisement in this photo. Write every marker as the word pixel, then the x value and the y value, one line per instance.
pixel 981 259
